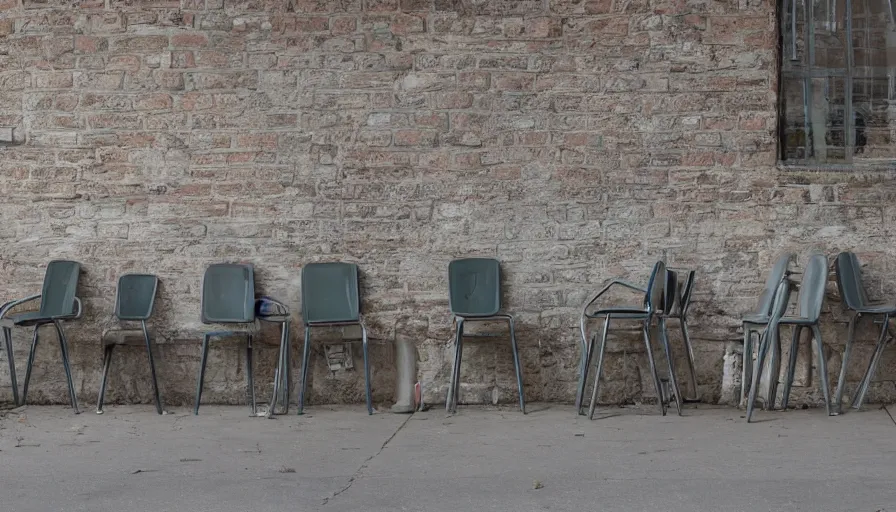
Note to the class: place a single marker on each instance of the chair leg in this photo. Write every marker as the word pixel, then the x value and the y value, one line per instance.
pixel 859 397
pixel 600 365
pixel 63 345
pixel 250 378
pixel 774 373
pixel 107 362
pixel 664 337
pixel 278 373
pixel 10 358
pixel 822 369
pixel 306 355
pixel 652 363
pixel 692 367
pixel 517 366
pixel 458 356
pixel 764 342
pixel 366 368
pixel 30 363
pixel 152 370
pixel 844 363
pixel 584 367
pixel 791 365
pixel 746 365
pixel 288 377
pixel 203 360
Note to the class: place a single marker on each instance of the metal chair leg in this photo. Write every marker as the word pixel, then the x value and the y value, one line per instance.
pixel 859 398
pixel 774 372
pixel 10 358
pixel 822 369
pixel 28 366
pixel 652 363
pixel 746 365
pixel 692 367
pixel 600 365
pixel 664 338
pixel 204 359
pixel 250 378
pixel 306 356
pixel 152 369
pixel 764 343
pixel 366 368
pixel 844 363
pixel 287 379
pixel 517 366
pixel 63 345
pixel 276 394
pixel 107 362
pixel 458 355
pixel 791 365
pixel 584 367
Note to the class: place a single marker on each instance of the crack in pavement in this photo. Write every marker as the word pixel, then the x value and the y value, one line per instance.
pixel 363 466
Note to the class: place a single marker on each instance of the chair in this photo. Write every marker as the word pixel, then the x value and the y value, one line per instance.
pixel 681 295
pixel 330 298
pixel 228 297
pixel 58 303
pixel 474 295
pixel 134 302
pixel 757 321
pixel 809 302
pixel 852 292
pixel 659 292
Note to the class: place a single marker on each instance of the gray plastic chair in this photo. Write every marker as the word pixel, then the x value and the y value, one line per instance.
pixel 330 298
pixel 474 295
pixel 134 302
pixel 855 298
pixel 58 303
pixel 228 297
pixel 809 302
pixel 757 321
pixel 659 292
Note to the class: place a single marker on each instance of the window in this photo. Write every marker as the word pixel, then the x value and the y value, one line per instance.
pixel 838 82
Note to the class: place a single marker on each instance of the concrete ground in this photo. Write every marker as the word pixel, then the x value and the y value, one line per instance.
pixel 131 459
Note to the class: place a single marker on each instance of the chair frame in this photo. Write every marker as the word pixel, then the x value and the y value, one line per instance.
pixel 108 345
pixel 7 324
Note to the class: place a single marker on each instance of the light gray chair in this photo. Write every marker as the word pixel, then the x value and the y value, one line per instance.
pixel 756 322
pixel 58 303
pixel 809 302
pixel 855 298
pixel 134 302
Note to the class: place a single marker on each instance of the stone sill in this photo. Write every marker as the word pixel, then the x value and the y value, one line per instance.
pixel 867 166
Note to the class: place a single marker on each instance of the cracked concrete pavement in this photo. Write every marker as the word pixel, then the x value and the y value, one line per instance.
pixel 338 458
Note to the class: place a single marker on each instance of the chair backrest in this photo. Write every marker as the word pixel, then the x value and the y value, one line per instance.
pixel 849 281
pixel 330 293
pixel 812 287
pixel 474 287
pixel 780 299
pixel 228 294
pixel 60 285
pixel 136 296
pixel 655 298
pixel 678 293
pixel 779 270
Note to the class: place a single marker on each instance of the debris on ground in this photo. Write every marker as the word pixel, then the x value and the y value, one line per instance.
pixel 284 469
pixel 537 485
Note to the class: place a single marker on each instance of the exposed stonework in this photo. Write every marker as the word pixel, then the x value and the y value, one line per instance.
pixel 573 140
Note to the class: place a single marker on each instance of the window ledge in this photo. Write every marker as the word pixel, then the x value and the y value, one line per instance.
pixel 866 166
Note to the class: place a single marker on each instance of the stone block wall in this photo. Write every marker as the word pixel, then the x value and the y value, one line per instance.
pixel 575 141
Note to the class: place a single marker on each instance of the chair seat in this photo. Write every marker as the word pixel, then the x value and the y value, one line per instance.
pixel 796 320
pixel 755 318
pixel 878 309
pixel 26 319
pixel 621 313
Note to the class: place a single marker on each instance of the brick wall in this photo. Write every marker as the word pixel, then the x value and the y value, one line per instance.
pixel 573 140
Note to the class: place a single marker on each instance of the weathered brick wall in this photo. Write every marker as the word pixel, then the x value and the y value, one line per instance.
pixel 573 140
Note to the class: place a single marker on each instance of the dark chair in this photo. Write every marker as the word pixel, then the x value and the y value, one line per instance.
pixel 330 298
pixel 474 295
pixel 809 302
pixel 134 302
pixel 228 297
pixel 659 292
pixel 680 295
pixel 58 303
pixel 855 298
pixel 757 321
